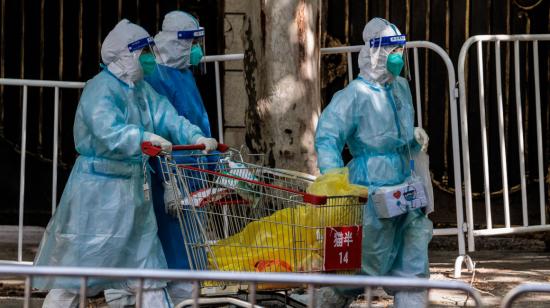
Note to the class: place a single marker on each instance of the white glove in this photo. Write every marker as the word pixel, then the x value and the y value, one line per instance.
pixel 158 141
pixel 172 199
pixel 422 138
pixel 210 144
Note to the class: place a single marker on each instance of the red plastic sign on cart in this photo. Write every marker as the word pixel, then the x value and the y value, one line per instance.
pixel 343 248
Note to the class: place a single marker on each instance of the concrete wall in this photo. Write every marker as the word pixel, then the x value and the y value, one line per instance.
pixel 234 94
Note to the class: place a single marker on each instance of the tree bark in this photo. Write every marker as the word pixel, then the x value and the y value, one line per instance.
pixel 281 70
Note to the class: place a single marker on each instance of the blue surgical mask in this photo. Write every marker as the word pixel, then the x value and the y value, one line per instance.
pixel 394 64
pixel 196 55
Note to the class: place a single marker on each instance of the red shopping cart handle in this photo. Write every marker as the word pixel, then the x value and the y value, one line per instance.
pixel 152 150
pixel 221 147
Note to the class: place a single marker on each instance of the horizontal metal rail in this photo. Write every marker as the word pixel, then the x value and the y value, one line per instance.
pixel 42 83
pixel 522 289
pixel 253 278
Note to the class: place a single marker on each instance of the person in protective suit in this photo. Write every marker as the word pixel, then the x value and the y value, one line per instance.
pixel 374 116
pixel 105 217
pixel 180 46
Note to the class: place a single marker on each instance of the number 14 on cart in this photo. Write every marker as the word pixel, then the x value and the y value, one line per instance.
pixel 343 248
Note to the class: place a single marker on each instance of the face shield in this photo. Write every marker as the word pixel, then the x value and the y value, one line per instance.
pixel 145 46
pixel 393 50
pixel 197 49
pixel 146 54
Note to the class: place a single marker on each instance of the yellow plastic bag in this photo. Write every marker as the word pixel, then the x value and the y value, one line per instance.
pixel 336 183
pixel 291 239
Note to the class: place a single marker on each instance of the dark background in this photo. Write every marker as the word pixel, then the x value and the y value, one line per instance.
pixel 60 40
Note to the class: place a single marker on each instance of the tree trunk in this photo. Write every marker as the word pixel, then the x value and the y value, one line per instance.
pixel 281 70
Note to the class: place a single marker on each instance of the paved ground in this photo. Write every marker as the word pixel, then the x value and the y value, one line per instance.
pixel 500 265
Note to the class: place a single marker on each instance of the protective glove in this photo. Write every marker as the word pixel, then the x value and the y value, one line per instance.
pixel 172 197
pixel 210 144
pixel 422 138
pixel 158 141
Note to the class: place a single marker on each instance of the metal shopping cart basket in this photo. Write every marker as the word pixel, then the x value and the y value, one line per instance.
pixel 239 216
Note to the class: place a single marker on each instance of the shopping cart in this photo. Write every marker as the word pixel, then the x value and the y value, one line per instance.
pixel 239 216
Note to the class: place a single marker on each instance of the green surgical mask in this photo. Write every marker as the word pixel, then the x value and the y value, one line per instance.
pixel 196 55
pixel 148 63
pixel 394 64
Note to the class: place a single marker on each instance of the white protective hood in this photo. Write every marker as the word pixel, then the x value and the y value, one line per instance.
pixel 175 52
pixel 372 61
pixel 115 53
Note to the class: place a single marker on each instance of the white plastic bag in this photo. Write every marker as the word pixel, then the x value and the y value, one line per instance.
pixel 422 169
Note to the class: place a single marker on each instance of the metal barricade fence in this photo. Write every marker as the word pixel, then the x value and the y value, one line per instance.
pixel 25 83
pixel 490 229
pixel 216 59
pixel 522 289
pixel 253 279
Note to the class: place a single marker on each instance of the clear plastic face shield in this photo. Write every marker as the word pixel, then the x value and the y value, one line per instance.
pixel 394 51
pixel 143 46
pixel 145 52
pixel 197 48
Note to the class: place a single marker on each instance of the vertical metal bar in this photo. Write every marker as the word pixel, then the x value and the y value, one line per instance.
pixel 252 293
pixel 368 296
pixel 350 67
pixel 27 299
pixel 80 38
pixel 225 221
pixel 22 64
pixel 484 143
pixel 139 294
pixel 346 20
pixel 120 9
pixel 417 89
pixel 521 144
pixel 138 14
pixel 196 293
pixel 22 175
pixel 83 286
pixel 99 29
pixel 61 40
pixel 426 63
pixel 407 16
pixel 157 16
pixel 465 151
pixel 539 132
pixel 55 147
pixel 219 101
pixel 502 142
pixel 311 295
pixel 41 99
pixel 367 10
pixel 455 140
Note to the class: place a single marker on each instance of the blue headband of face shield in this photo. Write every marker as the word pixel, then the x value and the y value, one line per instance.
pixel 140 44
pixel 396 40
pixel 191 34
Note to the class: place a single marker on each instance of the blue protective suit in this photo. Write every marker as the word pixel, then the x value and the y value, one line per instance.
pixel 103 219
pixel 181 90
pixel 377 122
pixel 179 86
